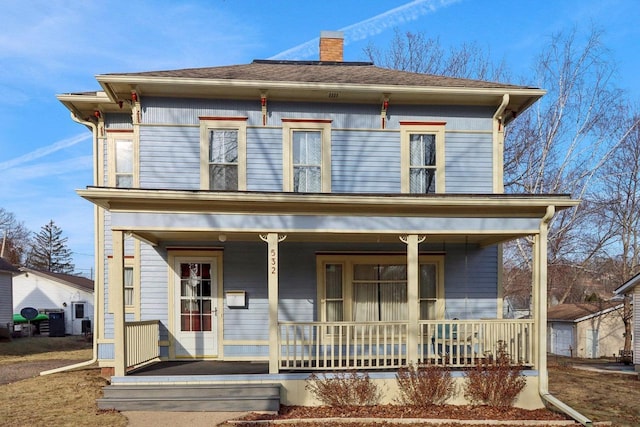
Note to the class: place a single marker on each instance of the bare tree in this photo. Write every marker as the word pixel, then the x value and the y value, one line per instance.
pixel 418 53
pixel 14 237
pixel 561 144
pixel 618 205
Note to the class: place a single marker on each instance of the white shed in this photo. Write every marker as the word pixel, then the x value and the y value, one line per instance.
pixel 55 292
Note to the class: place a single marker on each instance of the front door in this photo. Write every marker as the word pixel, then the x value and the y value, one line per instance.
pixel 196 313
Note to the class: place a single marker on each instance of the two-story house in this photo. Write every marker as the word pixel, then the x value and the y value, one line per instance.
pixel 309 215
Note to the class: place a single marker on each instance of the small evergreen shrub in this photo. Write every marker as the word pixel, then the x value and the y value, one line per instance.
pixel 344 389
pixel 424 385
pixel 494 384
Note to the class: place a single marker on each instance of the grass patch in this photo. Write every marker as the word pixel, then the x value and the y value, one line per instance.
pixel 65 399
pixel 599 396
pixel 45 348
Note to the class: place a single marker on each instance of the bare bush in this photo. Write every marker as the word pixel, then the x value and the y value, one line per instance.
pixel 425 385
pixel 342 389
pixel 494 384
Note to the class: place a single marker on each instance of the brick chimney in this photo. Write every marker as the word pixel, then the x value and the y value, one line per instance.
pixel 331 46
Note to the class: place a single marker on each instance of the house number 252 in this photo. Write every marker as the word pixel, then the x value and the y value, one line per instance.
pixel 274 262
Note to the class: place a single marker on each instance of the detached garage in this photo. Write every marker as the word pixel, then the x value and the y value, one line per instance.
pixel 585 330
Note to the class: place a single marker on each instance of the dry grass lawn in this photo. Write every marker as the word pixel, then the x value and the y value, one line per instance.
pixel 64 399
pixel 599 396
pixel 69 399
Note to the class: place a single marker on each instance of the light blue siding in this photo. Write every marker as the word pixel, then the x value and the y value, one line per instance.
pixel 154 294
pixel 365 159
pixel 245 268
pixel 118 121
pixel 246 351
pixel 365 162
pixel 469 163
pixel 106 352
pixel 170 157
pixel 264 159
pixel 471 277
pixel 187 111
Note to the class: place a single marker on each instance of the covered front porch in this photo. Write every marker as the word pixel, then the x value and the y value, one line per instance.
pixel 307 257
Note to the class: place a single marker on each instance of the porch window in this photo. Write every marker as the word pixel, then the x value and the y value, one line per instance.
pixel 357 288
pixel 195 297
pixel 223 153
pixel 422 157
pixel 306 155
pixel 379 292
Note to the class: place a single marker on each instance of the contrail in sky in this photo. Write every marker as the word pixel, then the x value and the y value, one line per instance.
pixel 370 27
pixel 44 151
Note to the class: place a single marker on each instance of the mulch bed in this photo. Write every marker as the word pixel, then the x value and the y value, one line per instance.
pixel 459 412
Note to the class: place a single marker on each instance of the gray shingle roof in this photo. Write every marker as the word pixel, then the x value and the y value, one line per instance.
pixel 7 266
pixel 320 72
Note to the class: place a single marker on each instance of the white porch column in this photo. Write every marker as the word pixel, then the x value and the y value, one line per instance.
pixel 413 294
pixel 543 376
pixel 272 240
pixel 116 293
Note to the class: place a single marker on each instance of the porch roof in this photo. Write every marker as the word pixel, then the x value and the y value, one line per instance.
pixel 205 201
pixel 473 208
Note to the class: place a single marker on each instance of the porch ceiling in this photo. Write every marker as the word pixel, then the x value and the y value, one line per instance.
pixel 156 237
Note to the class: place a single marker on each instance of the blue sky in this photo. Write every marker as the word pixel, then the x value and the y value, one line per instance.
pixel 52 47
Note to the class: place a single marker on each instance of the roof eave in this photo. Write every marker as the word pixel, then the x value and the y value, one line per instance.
pixel 109 81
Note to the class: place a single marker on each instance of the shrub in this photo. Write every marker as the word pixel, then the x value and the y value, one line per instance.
pixel 344 389
pixel 424 385
pixel 494 384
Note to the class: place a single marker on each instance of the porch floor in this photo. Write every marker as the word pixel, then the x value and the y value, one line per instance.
pixel 201 367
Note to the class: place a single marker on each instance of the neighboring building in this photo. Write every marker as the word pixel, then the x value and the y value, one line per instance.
pixel 585 330
pixel 54 293
pixel 314 215
pixel 7 271
pixel 631 288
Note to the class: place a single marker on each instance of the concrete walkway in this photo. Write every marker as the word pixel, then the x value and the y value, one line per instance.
pixel 611 368
pixel 179 419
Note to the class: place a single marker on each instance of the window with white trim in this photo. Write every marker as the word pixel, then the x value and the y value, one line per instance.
pixel 122 159
pixel 422 158
pixel 371 288
pixel 307 155
pixel 223 153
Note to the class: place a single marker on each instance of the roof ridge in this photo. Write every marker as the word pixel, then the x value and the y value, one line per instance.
pixel 293 62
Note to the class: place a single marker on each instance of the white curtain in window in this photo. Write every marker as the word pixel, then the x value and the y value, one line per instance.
pixel 365 304
pixel 128 286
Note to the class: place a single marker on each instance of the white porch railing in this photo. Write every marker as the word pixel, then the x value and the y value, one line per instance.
pixel 460 343
pixel 383 345
pixel 342 345
pixel 142 342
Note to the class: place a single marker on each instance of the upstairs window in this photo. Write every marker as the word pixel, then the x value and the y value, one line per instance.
pixel 223 153
pixel 307 161
pixel 122 155
pixel 124 163
pixel 307 155
pixel 422 157
pixel 223 159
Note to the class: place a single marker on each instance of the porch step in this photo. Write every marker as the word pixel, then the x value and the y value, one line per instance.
pixel 191 397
